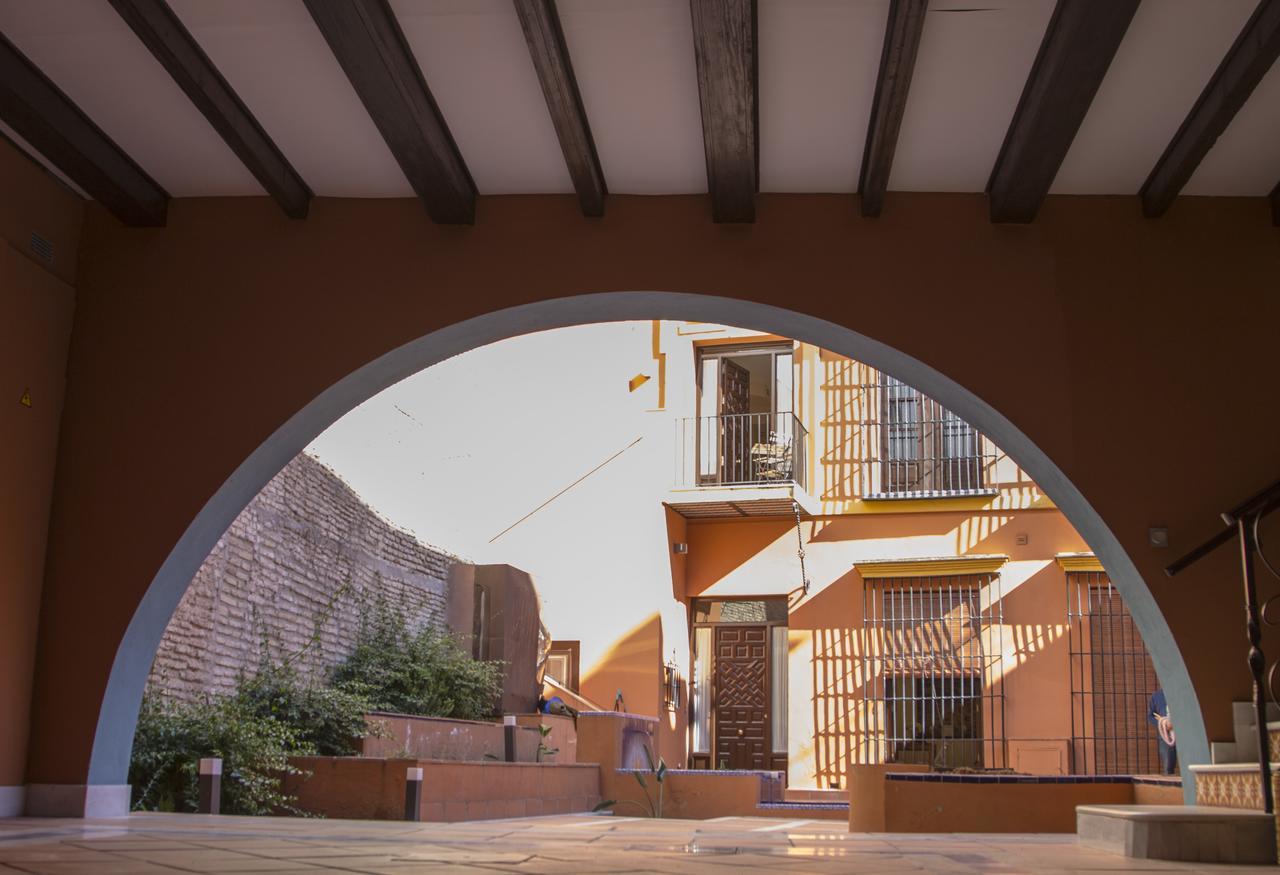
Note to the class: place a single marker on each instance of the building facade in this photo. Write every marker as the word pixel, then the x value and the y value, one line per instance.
pixel 858 577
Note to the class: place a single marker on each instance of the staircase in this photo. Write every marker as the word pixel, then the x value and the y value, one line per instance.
pixel 1226 825
pixel 1243 748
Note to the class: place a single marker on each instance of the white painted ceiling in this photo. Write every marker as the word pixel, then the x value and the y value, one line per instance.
pixel 635 67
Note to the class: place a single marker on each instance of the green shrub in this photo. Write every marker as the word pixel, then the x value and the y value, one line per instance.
pixel 273 715
pixel 327 720
pixel 422 672
pixel 171 739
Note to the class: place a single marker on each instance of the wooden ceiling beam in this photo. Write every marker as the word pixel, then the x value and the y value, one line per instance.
pixel 372 50
pixel 897 62
pixel 1078 47
pixel 542 31
pixel 176 49
pixel 56 128
pixel 725 50
pixel 1251 56
pixel 1275 205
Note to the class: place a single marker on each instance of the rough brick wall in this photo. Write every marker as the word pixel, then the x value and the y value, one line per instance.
pixel 304 559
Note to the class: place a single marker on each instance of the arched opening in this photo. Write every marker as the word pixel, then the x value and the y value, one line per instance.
pixel 133 659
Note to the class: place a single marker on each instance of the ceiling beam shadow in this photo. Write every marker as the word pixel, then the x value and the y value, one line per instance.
pixel 56 128
pixel 897 62
pixel 176 49
pixel 725 49
pixel 1078 46
pixel 1249 59
pixel 372 50
pixel 542 31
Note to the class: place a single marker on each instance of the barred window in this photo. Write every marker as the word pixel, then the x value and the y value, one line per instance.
pixel 925 448
pixel 1112 679
pixel 932 691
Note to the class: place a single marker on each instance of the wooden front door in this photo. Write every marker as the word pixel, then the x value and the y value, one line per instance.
pixel 742 697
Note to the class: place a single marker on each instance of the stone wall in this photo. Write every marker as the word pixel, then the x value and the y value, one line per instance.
pixel 303 561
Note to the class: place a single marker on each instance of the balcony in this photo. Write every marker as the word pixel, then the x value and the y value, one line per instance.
pixel 740 465
pixel 919 449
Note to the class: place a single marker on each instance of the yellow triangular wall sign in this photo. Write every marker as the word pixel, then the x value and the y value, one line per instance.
pixel 25 401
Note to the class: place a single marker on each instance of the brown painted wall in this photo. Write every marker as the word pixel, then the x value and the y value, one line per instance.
pixel 36 306
pixel 1093 329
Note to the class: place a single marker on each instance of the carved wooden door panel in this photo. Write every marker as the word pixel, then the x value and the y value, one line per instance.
pixel 742 697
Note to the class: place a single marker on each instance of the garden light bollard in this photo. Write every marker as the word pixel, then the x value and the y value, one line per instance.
pixel 509 737
pixel 210 801
pixel 413 794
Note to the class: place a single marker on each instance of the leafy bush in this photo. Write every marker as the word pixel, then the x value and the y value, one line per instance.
pixel 171 739
pixel 274 714
pixel 328 720
pixel 422 672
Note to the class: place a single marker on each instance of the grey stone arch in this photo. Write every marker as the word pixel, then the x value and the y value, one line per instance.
pixel 113 738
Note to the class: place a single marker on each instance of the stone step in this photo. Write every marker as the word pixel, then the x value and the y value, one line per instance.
pixel 1242 747
pixel 1242 713
pixel 794 794
pixel 805 810
pixel 1189 833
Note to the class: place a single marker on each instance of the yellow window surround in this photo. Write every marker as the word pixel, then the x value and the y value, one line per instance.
pixel 940 566
pixel 1079 562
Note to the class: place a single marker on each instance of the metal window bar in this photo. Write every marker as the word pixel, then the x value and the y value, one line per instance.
pixel 932 681
pixel 741 449
pixel 913 447
pixel 1112 678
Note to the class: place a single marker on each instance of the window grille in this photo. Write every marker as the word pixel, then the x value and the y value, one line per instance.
pixel 932 687
pixel 1112 679
pixel 926 449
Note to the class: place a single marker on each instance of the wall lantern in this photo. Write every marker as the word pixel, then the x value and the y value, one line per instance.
pixel 671 686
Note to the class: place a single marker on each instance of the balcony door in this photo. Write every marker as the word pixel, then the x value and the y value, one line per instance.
pixel 926 448
pixel 745 428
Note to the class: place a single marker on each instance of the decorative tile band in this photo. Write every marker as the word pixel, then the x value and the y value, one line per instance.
pixel 948 778
pixel 1229 789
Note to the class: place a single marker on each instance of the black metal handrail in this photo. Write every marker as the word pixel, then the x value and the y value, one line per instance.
pixel 1242 521
pixel 741 449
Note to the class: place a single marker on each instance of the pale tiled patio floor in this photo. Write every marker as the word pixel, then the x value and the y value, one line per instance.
pixel 568 843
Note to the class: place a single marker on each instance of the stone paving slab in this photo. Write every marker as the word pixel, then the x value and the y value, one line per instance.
pixel 535 846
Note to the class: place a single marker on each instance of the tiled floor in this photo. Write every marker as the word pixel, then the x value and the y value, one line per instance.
pixel 554 845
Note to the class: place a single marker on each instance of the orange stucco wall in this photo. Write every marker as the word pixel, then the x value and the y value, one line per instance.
pixel 36 306
pixel 374 788
pixel 1092 330
pixel 936 806
pixel 829 656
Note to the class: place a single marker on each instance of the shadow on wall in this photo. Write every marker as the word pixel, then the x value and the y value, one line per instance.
pixel 717 549
pixel 832 617
pixel 632 665
pixel 854 438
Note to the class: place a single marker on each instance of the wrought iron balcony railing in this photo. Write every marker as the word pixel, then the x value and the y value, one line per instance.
pixel 912 447
pixel 740 449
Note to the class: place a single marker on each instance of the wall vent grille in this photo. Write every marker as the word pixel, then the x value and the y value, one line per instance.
pixel 42 248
